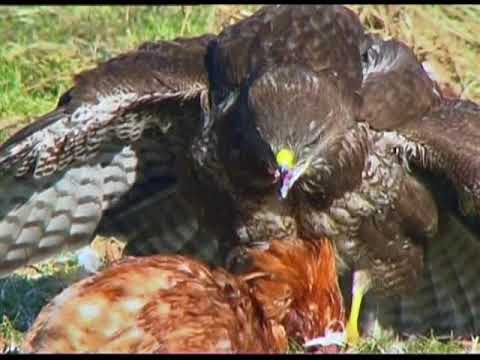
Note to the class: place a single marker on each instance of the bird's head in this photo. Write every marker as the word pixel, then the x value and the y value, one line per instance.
pixel 292 123
pixel 302 292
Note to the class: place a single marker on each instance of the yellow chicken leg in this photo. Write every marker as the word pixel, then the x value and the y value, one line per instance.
pixel 361 284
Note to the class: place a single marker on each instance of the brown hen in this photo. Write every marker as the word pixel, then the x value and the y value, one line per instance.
pixel 177 304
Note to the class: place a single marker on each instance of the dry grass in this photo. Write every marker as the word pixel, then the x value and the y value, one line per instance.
pixel 445 36
pixel 43 46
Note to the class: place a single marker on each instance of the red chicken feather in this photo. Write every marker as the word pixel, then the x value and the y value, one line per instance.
pixel 177 304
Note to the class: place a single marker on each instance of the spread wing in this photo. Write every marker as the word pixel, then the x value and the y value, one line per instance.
pixel 273 36
pixel 60 175
pixel 433 133
pixel 438 139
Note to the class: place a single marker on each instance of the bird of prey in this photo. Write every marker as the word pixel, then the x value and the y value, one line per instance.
pixel 172 303
pixel 292 123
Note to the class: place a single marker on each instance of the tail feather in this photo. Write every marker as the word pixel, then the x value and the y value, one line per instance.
pixel 447 300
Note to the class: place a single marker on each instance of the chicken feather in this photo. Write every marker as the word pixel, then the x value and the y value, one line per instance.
pixel 177 304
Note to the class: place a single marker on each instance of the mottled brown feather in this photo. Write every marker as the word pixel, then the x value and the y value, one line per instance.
pixel 176 304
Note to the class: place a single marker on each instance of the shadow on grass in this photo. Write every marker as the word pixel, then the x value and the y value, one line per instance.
pixel 23 295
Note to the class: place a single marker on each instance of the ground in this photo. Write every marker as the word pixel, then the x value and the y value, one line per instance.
pixel 43 46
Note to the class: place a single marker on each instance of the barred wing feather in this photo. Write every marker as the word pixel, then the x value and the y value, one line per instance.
pixel 60 174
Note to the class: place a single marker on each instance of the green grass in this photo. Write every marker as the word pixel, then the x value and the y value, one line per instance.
pixel 384 342
pixel 43 46
pixel 24 293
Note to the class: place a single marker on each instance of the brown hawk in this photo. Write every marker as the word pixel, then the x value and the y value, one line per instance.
pixel 292 123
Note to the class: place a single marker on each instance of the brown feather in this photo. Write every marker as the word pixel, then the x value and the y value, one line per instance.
pixel 176 304
pixel 305 282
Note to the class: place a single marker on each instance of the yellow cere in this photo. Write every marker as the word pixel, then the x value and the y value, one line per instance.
pixel 286 158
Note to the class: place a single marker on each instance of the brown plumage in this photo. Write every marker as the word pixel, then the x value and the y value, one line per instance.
pixel 177 304
pixel 176 148
pixel 379 165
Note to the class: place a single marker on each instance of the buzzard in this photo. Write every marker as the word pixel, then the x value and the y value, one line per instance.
pixel 292 123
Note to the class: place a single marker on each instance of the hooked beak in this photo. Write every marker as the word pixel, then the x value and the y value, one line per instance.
pixel 288 177
pixel 288 172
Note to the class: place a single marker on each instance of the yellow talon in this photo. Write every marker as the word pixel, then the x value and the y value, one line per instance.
pixel 361 284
